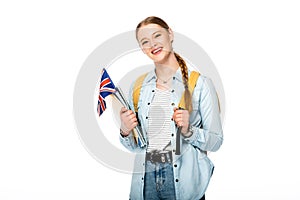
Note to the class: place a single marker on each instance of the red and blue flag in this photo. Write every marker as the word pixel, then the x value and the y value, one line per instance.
pixel 106 88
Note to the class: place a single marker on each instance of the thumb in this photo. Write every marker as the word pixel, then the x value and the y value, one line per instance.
pixel 123 109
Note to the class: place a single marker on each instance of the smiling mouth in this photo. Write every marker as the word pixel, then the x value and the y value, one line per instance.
pixel 156 51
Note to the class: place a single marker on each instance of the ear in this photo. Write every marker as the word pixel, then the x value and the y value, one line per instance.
pixel 171 34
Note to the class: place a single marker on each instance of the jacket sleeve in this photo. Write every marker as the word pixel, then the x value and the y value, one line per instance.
pixel 128 142
pixel 208 135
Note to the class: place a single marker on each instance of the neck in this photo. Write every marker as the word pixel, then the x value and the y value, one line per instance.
pixel 167 67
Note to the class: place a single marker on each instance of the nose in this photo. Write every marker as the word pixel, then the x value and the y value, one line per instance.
pixel 153 44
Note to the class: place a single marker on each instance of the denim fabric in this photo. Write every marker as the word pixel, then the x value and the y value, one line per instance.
pixel 159 181
pixel 192 168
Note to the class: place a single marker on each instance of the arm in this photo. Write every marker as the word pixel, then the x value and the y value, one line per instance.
pixel 129 143
pixel 209 136
pixel 128 122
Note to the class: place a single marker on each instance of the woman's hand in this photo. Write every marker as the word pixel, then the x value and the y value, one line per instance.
pixel 128 121
pixel 182 118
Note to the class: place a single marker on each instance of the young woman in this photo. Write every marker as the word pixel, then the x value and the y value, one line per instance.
pixel 159 172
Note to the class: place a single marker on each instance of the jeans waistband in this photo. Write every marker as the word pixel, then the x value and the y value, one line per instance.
pixel 159 156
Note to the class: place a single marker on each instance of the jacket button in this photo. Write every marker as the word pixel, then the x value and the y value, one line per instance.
pixel 172 135
pixel 152 90
pixel 173 104
pixel 172 90
pixel 146 117
pixel 176 180
pixel 148 103
pixel 175 165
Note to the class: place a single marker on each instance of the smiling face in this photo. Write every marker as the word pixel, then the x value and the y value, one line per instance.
pixel 155 41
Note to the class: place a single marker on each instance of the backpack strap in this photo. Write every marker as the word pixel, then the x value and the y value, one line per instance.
pixel 139 82
pixel 191 84
pixel 136 95
pixel 138 85
pixel 137 90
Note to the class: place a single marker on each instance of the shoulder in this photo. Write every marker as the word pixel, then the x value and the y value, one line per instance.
pixel 139 82
pixel 204 85
pixel 204 81
pixel 144 77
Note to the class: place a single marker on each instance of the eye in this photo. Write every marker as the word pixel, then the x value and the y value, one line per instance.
pixel 144 42
pixel 157 35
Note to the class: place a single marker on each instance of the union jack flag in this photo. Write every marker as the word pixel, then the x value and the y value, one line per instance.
pixel 106 88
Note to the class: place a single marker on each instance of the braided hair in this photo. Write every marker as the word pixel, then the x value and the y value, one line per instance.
pixel 185 79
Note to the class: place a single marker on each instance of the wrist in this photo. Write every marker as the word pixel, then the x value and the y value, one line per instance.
pixel 124 130
pixel 188 133
pixel 124 133
pixel 184 130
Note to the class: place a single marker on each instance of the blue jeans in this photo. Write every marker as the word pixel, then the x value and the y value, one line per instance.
pixel 159 181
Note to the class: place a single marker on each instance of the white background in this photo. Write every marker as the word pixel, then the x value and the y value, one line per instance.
pixel 43 44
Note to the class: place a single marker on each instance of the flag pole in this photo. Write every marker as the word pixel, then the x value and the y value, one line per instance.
pixel 107 88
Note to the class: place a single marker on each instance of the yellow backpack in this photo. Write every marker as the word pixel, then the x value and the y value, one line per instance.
pixel 139 82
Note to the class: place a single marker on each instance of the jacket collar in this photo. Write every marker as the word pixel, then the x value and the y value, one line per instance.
pixel 151 77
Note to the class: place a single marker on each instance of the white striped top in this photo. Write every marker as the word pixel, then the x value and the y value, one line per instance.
pixel 160 113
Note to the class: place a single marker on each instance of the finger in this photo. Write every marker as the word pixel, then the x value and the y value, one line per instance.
pixel 133 119
pixel 123 109
pixel 182 114
pixel 178 116
pixel 179 111
pixel 179 123
pixel 176 111
pixel 127 113
pixel 130 112
pixel 123 112
pixel 178 120
pixel 134 124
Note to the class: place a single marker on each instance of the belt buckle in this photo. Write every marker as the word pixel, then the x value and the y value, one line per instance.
pixel 163 158
pixel 152 158
pixel 159 157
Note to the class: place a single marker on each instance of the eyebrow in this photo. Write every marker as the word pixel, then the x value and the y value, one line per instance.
pixel 152 34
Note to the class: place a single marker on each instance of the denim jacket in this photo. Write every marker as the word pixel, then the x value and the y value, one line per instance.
pixel 192 168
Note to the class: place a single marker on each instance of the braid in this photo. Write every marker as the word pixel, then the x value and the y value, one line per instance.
pixel 185 78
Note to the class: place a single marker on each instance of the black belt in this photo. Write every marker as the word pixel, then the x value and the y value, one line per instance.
pixel 159 156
